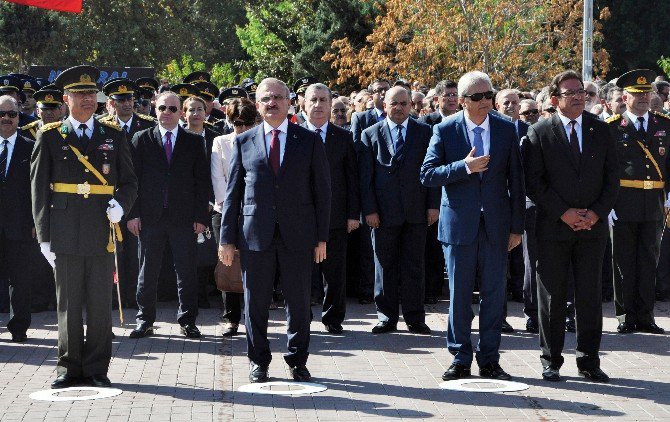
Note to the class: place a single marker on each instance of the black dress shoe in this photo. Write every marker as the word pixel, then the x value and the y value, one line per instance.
pixel 190 331
pixel 301 374
pixel 99 380
pixel 455 372
pixel 142 330
pixel 505 327
pixel 384 327
pixel 19 338
pixel 258 373
pixel 230 331
pixel 494 371
pixel 65 381
pixel 418 328
pixel 531 326
pixel 570 326
pixel 334 328
pixel 430 300
pixel 650 328
pixel 595 375
pixel 551 374
pixel 625 327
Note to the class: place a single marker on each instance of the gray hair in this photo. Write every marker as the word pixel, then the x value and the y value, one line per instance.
pixel 166 94
pixel 528 101
pixel 267 81
pixel 543 95
pixel 470 79
pixel 506 91
pixel 9 99
pixel 319 87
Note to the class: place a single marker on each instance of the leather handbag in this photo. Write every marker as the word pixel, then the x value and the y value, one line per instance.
pixel 229 279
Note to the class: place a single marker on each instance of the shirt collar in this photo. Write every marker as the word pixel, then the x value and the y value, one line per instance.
pixel 283 127
pixel 378 111
pixel 11 139
pixel 470 124
pixel 633 117
pixel 76 123
pixel 129 122
pixel 164 131
pixel 311 127
pixel 392 125
pixel 566 120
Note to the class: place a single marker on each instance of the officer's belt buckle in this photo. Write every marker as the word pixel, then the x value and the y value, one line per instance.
pixel 85 189
pixel 648 184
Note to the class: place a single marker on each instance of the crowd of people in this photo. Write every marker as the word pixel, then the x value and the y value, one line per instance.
pixel 554 198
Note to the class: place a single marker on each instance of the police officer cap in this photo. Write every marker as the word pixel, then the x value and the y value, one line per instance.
pixel 42 82
pixel 146 93
pixel 28 84
pixel 207 90
pixel 198 76
pixel 301 84
pixel 146 82
pixel 234 92
pixel 78 79
pixel 249 85
pixel 638 80
pixel 49 97
pixel 185 90
pixel 9 83
pixel 119 88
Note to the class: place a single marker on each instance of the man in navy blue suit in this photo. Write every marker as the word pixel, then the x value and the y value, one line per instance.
pixel 475 156
pixel 398 209
pixel 277 212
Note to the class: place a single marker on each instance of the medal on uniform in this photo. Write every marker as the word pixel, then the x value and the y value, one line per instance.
pixel 63 131
pixel 661 151
pixel 106 168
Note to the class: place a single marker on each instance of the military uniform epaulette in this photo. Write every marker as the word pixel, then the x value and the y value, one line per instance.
pixel 106 118
pixel 50 126
pixel 665 116
pixel 31 125
pixel 145 117
pixel 209 124
pixel 613 118
pixel 111 124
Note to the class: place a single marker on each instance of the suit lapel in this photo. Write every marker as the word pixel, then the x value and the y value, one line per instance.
pixel 462 132
pixel 292 141
pixel 17 156
pixel 562 139
pixel 158 144
pixel 258 140
pixel 330 140
pixel 98 136
pixel 385 133
pixel 587 144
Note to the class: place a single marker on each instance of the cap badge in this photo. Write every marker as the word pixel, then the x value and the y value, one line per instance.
pixel 85 78
pixel 27 85
pixel 5 82
pixel 234 91
pixel 641 80
pixel 123 88
pixel 183 91
pixel 48 97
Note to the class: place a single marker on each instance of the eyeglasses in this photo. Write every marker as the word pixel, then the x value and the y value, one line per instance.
pixel 238 123
pixel 380 90
pixel 339 110
pixel 172 109
pixel 591 93
pixel 11 114
pixel 551 110
pixel 142 103
pixel 530 112
pixel 578 93
pixel 479 96
pixel 266 99
pixel 450 95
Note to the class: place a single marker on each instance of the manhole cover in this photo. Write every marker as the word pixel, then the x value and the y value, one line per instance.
pixel 483 386
pixel 283 388
pixel 75 394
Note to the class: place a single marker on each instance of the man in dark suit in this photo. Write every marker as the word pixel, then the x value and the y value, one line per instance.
pixel 344 209
pixel 171 208
pixel 12 86
pixel 398 209
pixel 359 122
pixel 572 176
pixel 17 231
pixel 446 97
pixel 69 198
pixel 277 212
pixel 475 156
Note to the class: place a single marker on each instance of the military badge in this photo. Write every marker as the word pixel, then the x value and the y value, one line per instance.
pixel 123 88
pixel 65 148
pixel 624 122
pixel 183 91
pixel 659 133
pixel 661 151
pixel 49 98
pixel 106 168
pixel 641 80
pixel 63 131
pixel 85 78
pixel 106 147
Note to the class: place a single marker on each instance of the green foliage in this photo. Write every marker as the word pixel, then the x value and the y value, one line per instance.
pixel 175 71
pixel 664 64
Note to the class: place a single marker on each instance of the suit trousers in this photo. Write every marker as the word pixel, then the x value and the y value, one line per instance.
pixel 636 247
pixel 16 266
pixel 258 274
pixel 530 260
pixel 399 266
pixel 332 274
pixel 182 241
pixel 434 271
pixel 83 283
pixel 232 302
pixel 129 266
pixel 486 261
pixel 663 268
pixel 366 261
pixel 556 260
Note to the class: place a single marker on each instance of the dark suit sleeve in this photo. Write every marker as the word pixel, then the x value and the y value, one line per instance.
pixel 356 127
pixel 320 174
pixel 203 181
pixel 516 186
pixel 40 174
pixel 126 180
pixel 351 172
pixel 434 193
pixel 366 169
pixel 231 205
pixel 436 171
pixel 538 188
pixel 136 152
pixel 608 195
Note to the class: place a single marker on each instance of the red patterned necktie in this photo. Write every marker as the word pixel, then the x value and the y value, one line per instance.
pixel 274 151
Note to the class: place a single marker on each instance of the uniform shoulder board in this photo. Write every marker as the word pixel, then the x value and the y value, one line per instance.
pixel 663 115
pixel 209 123
pixel 50 126
pixel 105 118
pixel 30 125
pixel 145 117
pixel 613 118
pixel 110 123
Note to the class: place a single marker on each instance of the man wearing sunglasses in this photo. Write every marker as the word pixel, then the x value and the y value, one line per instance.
pixel 17 231
pixel 474 156
pixel 529 112
pixel 12 86
pixel 172 208
pixel 80 167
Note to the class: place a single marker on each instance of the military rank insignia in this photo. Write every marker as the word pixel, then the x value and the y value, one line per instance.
pixel 661 151
pixel 63 131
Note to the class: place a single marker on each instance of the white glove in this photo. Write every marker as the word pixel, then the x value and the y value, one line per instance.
pixel 611 218
pixel 114 211
pixel 45 247
pixel 667 202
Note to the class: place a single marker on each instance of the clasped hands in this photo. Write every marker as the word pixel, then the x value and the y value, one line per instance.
pixel 579 218
pixel 227 253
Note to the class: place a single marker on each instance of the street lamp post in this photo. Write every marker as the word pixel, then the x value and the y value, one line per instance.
pixel 587 41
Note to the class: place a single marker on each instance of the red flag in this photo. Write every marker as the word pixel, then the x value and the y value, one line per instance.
pixel 73 6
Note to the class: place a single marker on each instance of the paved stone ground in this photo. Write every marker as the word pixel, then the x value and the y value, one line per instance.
pixel 385 377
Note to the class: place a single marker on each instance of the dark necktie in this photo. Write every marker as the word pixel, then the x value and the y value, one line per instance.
pixel 381 116
pixel 83 138
pixel 318 132
pixel 640 129
pixel 125 127
pixel 400 141
pixel 274 151
pixel 3 159
pixel 574 141
pixel 168 146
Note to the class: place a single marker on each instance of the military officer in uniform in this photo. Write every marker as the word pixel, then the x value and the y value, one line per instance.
pixel 299 88
pixel 49 108
pixel 147 88
pixel 82 182
pixel 250 86
pixel 11 85
pixel 223 126
pixel 643 141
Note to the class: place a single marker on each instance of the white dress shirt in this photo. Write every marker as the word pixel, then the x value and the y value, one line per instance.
pixel 10 149
pixel 174 132
pixel 267 130
pixel 129 123
pixel 323 128
pixel 222 150
pixel 486 135
pixel 394 130
pixel 89 126
pixel 633 118
pixel 567 127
